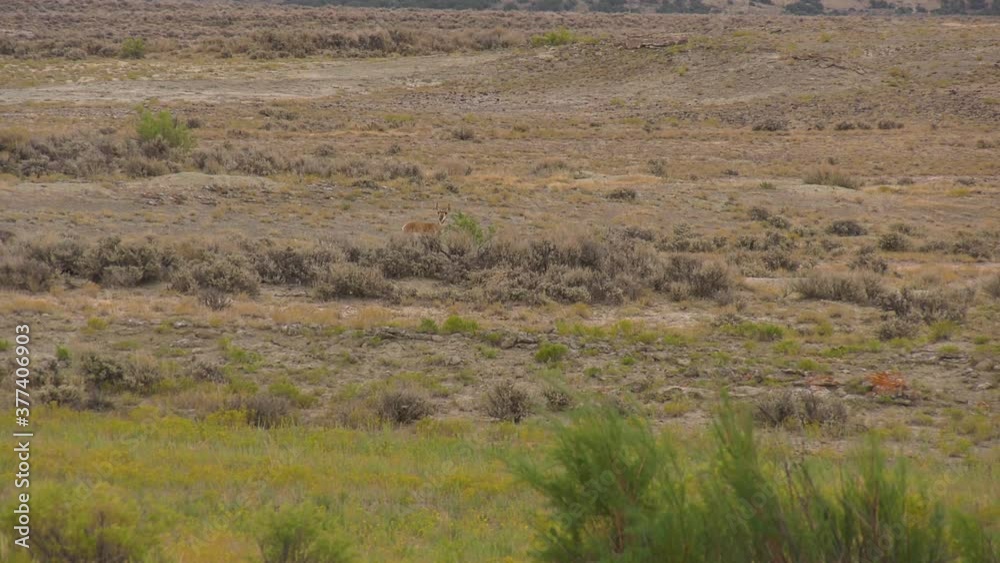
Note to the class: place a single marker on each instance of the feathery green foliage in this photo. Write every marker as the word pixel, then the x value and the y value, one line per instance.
pixel 133 48
pixel 82 523
pixel 470 226
pixel 617 493
pixel 455 323
pixel 164 126
pixel 550 352
pixel 301 533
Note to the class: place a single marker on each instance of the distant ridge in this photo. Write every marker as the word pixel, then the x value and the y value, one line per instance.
pixel 795 7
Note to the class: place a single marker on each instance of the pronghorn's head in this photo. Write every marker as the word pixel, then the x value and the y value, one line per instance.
pixel 443 214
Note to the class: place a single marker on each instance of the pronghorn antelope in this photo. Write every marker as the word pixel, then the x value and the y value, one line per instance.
pixel 420 227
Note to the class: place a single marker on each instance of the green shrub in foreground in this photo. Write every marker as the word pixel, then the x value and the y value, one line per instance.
pixel 300 533
pixel 617 492
pixel 86 523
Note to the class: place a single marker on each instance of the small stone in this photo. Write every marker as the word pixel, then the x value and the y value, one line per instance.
pixel 527 339
pixel 745 391
pixel 984 365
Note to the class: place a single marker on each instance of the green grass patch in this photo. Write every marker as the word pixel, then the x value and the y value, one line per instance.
pixel 95 324
pixel 133 48
pixel 63 354
pixel 285 388
pixel 468 509
pixel 787 347
pixel 240 358
pixel 428 326
pixel 555 38
pixel 942 330
pixel 869 346
pixel 456 324
pixel 550 352
pixel 761 332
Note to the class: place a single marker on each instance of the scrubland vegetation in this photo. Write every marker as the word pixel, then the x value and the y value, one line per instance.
pixel 606 486
pixel 676 311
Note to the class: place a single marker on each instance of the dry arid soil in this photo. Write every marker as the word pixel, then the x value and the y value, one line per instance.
pixel 651 210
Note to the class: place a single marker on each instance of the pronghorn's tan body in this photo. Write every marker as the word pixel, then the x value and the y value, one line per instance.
pixel 420 227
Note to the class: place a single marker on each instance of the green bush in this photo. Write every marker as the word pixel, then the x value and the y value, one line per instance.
pixel 549 352
pixel 86 523
pixel 468 225
pixel 764 332
pixel 555 38
pixel 602 484
pixel 942 330
pixel 101 372
pixel 455 323
pixel 428 326
pixel 163 126
pixel 288 390
pixel 300 533
pixel 617 492
pixel 133 48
